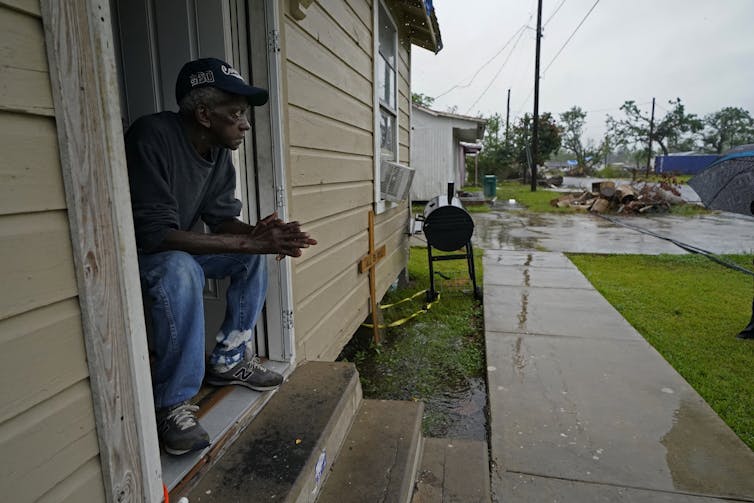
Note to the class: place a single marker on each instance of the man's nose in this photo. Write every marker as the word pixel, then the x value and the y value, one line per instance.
pixel 244 125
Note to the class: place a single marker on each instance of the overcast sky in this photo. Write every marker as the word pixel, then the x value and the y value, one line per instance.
pixel 699 50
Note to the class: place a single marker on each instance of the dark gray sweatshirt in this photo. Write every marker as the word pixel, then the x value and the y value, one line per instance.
pixel 172 186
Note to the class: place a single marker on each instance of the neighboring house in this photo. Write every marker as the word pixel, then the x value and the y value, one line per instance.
pixel 437 151
pixel 76 417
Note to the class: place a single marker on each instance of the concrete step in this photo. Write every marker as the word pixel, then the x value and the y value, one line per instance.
pixel 284 454
pixel 453 470
pixel 380 456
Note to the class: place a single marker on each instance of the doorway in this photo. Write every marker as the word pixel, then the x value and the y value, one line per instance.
pixel 153 39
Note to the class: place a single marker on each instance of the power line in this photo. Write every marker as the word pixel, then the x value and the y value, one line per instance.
pixel 571 36
pixel 459 86
pixel 523 72
pixel 513 49
pixel 554 12
pixel 680 244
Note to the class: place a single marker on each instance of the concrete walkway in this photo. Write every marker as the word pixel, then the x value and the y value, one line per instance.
pixel 583 409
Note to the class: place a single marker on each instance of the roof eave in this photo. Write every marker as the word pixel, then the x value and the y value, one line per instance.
pixel 421 23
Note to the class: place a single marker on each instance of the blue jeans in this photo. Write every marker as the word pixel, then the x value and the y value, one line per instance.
pixel 173 282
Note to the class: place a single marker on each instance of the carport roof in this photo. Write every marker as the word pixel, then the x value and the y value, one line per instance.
pixel 465 128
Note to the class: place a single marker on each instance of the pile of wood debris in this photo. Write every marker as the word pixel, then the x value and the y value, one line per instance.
pixel 636 197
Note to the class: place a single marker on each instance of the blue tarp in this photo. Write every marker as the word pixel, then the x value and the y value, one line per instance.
pixel 684 164
pixel 737 155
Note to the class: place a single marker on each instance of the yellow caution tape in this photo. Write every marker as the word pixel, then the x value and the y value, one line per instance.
pixel 407 318
pixel 385 306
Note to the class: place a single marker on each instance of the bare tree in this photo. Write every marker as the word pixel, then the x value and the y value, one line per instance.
pixel 676 130
pixel 727 128
pixel 586 152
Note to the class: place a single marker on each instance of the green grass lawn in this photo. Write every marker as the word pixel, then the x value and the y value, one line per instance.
pixel 690 309
pixel 432 355
pixel 538 201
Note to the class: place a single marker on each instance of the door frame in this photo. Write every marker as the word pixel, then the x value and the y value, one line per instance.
pixel 81 55
pixel 86 96
pixel 251 32
pixel 280 300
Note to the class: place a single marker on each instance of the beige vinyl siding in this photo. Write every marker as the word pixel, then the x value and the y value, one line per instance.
pixel 330 119
pixel 404 99
pixel 47 433
pixel 30 178
pixel 392 225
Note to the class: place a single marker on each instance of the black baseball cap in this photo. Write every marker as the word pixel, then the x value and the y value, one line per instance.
pixel 213 72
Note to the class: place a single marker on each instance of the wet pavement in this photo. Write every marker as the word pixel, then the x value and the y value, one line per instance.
pixel 582 408
pixel 588 233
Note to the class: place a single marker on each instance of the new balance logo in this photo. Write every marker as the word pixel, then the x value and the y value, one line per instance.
pixel 243 374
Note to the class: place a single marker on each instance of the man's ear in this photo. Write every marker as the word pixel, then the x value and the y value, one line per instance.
pixel 201 115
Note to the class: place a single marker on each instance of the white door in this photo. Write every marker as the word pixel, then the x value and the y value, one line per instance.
pixel 154 39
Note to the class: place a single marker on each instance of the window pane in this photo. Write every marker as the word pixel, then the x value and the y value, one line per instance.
pixel 387 136
pixel 386 83
pixel 387 37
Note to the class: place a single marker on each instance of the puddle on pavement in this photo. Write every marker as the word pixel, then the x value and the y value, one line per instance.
pixel 459 413
pixel 498 231
pixel 679 448
pixel 691 449
pixel 536 220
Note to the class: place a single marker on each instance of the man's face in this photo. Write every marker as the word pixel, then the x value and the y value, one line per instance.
pixel 228 122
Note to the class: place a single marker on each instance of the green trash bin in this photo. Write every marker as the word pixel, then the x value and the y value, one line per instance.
pixel 490 186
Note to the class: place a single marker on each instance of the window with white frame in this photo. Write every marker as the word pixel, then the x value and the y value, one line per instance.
pixel 386 88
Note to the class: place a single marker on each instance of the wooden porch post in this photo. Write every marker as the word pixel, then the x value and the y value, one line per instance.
pixel 80 52
pixel 476 170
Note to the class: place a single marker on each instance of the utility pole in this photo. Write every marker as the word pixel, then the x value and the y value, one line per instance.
pixel 651 134
pixel 507 116
pixel 535 128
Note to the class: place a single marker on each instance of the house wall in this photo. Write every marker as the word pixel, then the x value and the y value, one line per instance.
pixel 437 156
pixel 433 155
pixel 330 127
pixel 47 427
pixel 459 167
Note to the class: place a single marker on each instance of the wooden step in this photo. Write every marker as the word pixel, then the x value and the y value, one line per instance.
pixel 380 456
pixel 285 453
pixel 224 412
pixel 453 470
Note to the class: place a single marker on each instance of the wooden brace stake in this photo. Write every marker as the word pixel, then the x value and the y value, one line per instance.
pixel 369 263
